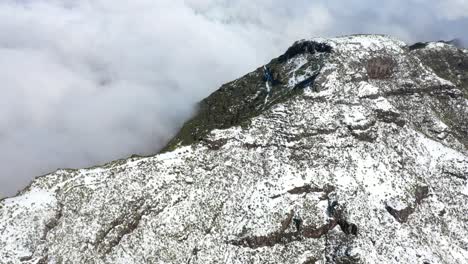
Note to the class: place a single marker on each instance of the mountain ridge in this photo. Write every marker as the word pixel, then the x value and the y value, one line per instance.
pixel 365 162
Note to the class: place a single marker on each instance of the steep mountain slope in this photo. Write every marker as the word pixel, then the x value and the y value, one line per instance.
pixel 344 150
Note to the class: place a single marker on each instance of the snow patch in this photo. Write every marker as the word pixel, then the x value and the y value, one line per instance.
pixel 32 198
pixel 366 89
pixel 384 105
pixel 356 117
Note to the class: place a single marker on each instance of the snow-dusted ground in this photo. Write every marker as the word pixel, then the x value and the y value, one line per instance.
pixel 351 171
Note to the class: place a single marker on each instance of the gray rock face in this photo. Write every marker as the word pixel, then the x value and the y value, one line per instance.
pixel 352 152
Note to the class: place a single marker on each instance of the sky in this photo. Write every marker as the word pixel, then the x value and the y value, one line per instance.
pixel 84 82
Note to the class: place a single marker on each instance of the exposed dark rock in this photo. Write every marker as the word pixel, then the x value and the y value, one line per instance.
pixel 301 231
pixel 421 193
pixel 331 210
pixel 305 189
pixel 400 215
pixel 348 228
pixel 301 47
pixel 53 222
pixel 327 189
pixel 274 78
pixel 390 117
pixel 284 237
pixel 310 261
pixel 442 212
pixel 306 83
pixel 418 45
pixel 286 222
pixel 215 144
pixel 298 224
pixel 107 239
pixel 26 258
pixel 380 67
pixel 346 260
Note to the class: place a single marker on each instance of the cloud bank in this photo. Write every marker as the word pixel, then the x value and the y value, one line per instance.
pixel 88 81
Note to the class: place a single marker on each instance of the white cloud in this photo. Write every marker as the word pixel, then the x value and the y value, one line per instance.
pixel 452 9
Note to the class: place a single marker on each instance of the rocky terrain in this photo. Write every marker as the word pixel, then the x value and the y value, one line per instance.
pixel 343 150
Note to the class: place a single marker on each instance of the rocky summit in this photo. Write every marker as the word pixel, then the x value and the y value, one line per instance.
pixel 343 150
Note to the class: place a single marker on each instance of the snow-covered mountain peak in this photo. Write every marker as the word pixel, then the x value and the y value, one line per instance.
pixel 343 150
pixel 364 43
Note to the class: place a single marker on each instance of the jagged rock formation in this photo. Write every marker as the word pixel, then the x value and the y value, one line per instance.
pixel 345 150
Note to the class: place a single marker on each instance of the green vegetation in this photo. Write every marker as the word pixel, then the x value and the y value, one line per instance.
pixel 235 103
